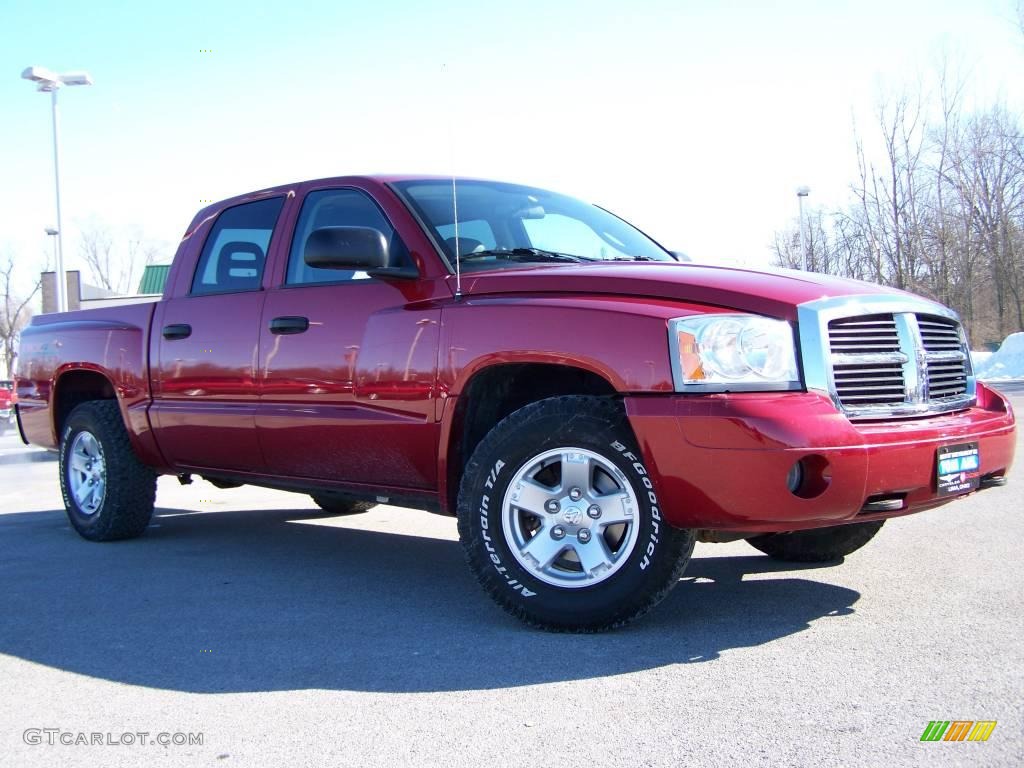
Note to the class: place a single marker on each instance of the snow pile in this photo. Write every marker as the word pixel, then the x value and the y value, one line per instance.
pixel 979 357
pixel 1007 363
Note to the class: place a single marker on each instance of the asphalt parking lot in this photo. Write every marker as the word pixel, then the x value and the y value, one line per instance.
pixel 285 637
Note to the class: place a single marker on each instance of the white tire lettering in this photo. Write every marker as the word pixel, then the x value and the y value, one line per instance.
pixel 489 483
pixel 485 503
pixel 648 484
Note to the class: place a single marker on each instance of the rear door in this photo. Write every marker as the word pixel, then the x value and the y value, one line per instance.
pixel 348 361
pixel 205 387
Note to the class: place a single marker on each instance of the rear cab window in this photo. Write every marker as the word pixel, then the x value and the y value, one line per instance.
pixel 235 251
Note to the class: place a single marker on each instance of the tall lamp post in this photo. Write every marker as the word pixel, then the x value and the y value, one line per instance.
pixel 801 193
pixel 51 82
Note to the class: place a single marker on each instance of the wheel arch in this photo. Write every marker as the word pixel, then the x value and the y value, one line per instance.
pixel 490 394
pixel 74 386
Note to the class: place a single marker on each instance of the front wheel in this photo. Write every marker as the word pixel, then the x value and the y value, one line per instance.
pixel 109 494
pixel 818 545
pixel 560 520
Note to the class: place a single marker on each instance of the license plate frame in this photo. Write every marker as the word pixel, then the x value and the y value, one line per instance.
pixel 957 469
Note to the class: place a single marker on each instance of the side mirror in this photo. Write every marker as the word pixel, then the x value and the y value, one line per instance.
pixel 359 248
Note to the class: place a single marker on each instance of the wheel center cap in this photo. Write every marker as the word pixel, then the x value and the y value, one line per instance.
pixel 572 516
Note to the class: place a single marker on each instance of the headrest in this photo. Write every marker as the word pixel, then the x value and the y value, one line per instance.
pixel 466 245
pixel 240 265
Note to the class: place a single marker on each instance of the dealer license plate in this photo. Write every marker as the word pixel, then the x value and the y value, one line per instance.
pixel 958 469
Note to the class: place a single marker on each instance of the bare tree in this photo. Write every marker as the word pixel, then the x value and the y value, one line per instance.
pixel 96 249
pixel 938 209
pixel 114 269
pixel 819 240
pixel 14 311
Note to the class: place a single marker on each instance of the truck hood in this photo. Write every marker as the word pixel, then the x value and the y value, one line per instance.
pixel 775 293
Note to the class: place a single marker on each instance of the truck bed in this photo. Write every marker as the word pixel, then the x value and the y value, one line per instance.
pixel 112 341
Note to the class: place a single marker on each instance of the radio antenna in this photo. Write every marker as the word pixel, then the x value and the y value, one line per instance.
pixel 455 200
pixel 458 256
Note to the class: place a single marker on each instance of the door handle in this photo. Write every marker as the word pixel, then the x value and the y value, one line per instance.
pixel 287 325
pixel 177 331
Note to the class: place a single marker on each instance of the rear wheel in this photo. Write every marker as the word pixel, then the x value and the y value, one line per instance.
pixel 560 521
pixel 108 493
pixel 818 545
pixel 340 505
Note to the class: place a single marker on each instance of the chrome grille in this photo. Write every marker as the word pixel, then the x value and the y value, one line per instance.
pixel 867 365
pixel 939 334
pixel 897 363
pixel 947 364
pixel 868 334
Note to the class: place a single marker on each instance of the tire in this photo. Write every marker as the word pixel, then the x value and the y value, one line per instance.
pixel 518 469
pixel 818 545
pixel 340 505
pixel 94 446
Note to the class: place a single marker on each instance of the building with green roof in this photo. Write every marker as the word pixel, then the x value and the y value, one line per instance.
pixel 153 278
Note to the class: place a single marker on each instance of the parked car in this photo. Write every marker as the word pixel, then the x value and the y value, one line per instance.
pixel 7 400
pixel 585 404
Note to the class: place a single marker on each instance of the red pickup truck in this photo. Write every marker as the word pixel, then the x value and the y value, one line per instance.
pixel 584 403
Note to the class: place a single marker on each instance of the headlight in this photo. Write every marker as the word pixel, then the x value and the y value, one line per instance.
pixel 718 352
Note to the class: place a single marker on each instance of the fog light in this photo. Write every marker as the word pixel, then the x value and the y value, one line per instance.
pixel 795 477
pixel 810 477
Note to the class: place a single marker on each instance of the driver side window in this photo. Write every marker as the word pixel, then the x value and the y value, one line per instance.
pixel 338 208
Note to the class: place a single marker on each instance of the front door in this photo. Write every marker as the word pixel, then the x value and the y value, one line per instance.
pixel 347 363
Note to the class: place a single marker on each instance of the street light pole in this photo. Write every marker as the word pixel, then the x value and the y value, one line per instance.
pixel 801 193
pixel 50 82
pixel 62 279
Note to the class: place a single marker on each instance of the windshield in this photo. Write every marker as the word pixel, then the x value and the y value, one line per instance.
pixel 504 225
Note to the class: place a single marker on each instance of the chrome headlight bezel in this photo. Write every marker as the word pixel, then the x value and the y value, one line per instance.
pixel 722 348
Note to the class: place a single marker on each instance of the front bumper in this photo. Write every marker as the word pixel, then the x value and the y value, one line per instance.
pixel 721 461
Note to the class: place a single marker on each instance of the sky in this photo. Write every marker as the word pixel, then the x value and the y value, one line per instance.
pixel 694 120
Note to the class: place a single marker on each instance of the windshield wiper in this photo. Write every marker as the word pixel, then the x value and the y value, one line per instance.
pixel 633 258
pixel 524 254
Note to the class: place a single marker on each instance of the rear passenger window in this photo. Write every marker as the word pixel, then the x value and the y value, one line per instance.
pixel 339 208
pixel 236 248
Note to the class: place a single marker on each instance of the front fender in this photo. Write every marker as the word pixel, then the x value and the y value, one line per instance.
pixel 623 340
